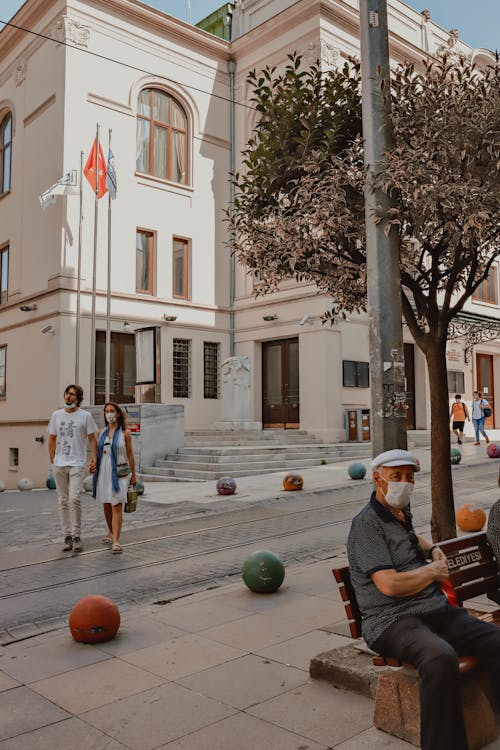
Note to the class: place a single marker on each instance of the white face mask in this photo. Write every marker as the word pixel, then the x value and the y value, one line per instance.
pixel 110 417
pixel 399 494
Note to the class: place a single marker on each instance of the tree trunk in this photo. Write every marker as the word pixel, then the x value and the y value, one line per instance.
pixel 443 509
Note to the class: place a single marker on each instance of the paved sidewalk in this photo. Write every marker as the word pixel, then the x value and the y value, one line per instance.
pixel 223 669
pixel 316 479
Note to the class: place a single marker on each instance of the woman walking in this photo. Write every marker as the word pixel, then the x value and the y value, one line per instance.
pixel 114 458
pixel 479 404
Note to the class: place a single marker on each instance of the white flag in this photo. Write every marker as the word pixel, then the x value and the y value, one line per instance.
pixel 58 188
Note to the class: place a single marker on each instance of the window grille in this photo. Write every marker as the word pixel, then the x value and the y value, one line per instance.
pixel 182 368
pixel 355 374
pixel 211 369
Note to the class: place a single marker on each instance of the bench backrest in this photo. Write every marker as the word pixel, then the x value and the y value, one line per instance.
pixel 472 565
pixel 473 571
pixel 343 578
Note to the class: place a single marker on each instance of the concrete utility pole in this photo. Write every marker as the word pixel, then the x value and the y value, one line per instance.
pixel 387 376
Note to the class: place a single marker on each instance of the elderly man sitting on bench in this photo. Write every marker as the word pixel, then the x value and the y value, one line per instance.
pixel 396 576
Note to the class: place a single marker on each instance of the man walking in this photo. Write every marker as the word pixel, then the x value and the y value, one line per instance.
pixel 69 428
pixel 458 414
pixel 404 613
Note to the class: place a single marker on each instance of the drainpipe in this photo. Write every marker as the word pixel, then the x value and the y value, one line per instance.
pixel 231 67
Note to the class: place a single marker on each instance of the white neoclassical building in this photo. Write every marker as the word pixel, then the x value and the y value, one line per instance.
pixel 178 107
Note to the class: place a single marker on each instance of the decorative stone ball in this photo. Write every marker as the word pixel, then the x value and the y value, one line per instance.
pixel 2 486
pixel 51 483
pixel 293 482
pixel 87 483
pixel 470 518
pixel 263 572
pixel 94 619
pixel 357 471
pixel 493 450
pixel 139 487
pixel 226 486
pixel 455 456
pixel 25 484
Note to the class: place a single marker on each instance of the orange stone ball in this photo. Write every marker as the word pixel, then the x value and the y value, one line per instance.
pixel 94 619
pixel 293 482
pixel 470 518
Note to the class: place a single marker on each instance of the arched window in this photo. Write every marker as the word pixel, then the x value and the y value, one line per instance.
pixel 162 136
pixel 5 152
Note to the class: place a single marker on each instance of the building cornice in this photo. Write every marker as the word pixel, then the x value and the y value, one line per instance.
pixel 163 24
pixel 36 15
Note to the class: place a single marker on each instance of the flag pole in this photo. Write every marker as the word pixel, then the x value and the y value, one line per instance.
pixel 94 272
pixel 79 283
pixel 108 295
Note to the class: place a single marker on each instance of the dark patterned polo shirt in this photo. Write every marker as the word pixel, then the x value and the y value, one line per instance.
pixel 378 541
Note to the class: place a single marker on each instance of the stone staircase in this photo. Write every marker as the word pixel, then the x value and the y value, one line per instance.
pixel 211 454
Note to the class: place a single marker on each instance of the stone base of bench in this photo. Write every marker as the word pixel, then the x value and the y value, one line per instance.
pixel 397 707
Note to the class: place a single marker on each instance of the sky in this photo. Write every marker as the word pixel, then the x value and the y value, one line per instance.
pixel 478 22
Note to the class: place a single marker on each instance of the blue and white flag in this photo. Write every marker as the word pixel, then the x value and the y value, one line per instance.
pixel 111 182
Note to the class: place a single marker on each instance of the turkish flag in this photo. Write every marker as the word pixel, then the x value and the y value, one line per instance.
pixel 98 163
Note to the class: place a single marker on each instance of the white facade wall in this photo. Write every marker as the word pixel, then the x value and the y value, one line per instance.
pixel 57 93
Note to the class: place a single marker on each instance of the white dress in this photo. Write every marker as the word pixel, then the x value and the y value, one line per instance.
pixel 104 489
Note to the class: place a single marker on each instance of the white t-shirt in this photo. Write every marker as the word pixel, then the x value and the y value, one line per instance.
pixel 71 431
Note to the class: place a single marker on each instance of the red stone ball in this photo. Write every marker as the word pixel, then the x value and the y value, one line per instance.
pixel 493 450
pixel 226 486
pixel 94 619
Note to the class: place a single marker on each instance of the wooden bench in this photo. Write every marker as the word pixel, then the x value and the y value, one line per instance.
pixel 473 572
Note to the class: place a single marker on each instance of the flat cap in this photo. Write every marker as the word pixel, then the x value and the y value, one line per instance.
pixel 396 457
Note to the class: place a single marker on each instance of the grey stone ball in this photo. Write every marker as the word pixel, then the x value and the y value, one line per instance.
pixel 25 484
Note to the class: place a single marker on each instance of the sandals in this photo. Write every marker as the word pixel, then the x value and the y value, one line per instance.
pixel 117 549
pixel 107 539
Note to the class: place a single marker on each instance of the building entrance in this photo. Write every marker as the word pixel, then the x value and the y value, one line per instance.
pixel 484 376
pixel 122 369
pixel 280 384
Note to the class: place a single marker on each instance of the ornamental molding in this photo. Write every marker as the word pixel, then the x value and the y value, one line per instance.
pixel 327 54
pixel 69 31
pixel 20 72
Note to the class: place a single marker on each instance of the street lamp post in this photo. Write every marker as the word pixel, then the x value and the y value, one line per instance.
pixel 387 373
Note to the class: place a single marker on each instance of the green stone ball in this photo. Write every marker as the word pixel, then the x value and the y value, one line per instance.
pixel 263 572
pixel 357 471
pixel 455 456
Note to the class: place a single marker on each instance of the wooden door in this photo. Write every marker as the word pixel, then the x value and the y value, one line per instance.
pixel 280 384
pixel 409 355
pixel 484 379
pixel 122 368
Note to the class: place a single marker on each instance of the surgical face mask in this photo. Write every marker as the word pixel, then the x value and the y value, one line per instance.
pixel 110 417
pixel 399 494
pixel 70 406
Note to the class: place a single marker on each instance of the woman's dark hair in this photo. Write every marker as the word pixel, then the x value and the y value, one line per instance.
pixel 457 395
pixel 121 416
pixel 78 390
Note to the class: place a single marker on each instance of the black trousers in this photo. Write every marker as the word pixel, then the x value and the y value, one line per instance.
pixel 430 643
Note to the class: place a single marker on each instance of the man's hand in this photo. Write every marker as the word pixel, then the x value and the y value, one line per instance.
pixel 438 554
pixel 439 568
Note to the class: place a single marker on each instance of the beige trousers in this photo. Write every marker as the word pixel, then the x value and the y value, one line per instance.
pixel 69 485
